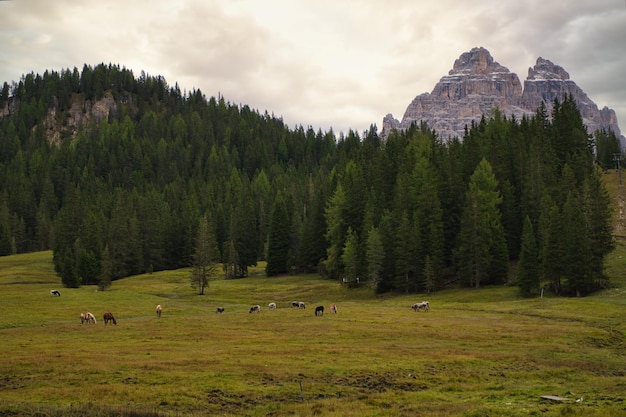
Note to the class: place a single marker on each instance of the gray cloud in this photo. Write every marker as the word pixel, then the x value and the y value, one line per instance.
pixel 324 63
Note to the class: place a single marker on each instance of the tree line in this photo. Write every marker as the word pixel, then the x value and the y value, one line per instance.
pixel 174 179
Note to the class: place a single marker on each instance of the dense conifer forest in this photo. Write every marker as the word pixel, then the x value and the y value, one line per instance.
pixel 175 178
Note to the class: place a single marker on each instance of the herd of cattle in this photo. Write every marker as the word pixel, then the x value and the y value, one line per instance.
pixel 88 318
pixel 319 310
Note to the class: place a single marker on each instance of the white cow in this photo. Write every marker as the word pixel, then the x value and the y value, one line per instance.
pixel 424 305
pixel 271 306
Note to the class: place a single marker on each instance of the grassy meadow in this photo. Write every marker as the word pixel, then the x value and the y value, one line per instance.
pixel 476 353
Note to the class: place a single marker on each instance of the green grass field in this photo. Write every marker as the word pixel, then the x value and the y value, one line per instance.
pixel 476 353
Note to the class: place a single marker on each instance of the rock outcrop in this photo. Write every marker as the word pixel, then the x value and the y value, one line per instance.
pixel 477 84
pixel 78 117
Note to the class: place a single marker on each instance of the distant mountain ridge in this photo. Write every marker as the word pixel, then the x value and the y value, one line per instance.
pixel 477 83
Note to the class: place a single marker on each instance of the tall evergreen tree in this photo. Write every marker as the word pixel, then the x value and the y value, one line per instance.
pixel 106 270
pixel 405 254
pixel 205 256
pixel 551 249
pixel 279 242
pixel 598 218
pixel 607 148
pixel 350 256
pixel 482 234
pixel 528 272
pixel 375 256
pixel 335 232
pixel 576 247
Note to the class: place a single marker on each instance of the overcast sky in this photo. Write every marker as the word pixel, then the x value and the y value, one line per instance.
pixel 323 63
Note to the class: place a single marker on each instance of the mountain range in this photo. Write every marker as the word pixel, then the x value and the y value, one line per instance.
pixel 477 83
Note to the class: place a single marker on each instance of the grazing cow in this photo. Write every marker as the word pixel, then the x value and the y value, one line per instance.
pixel 319 310
pixel 333 308
pixel 219 310
pixel 108 317
pixel 87 318
pixel 255 309
pixel 158 310
pixel 55 293
pixel 424 305
pixel 271 306
pixel 295 304
pixel 301 305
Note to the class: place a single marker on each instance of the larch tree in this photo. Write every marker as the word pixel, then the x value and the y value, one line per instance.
pixel 205 256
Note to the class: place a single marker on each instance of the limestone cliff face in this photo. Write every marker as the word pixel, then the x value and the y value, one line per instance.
pixel 477 83
pixel 66 124
pixel 77 117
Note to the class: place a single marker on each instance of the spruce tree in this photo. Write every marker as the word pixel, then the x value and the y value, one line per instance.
pixel 528 272
pixel 375 257
pixel 106 270
pixel 279 239
pixel 481 239
pixel 335 232
pixel 350 256
pixel 598 218
pixel 576 247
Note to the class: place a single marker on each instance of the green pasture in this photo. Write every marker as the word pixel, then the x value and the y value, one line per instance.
pixel 476 353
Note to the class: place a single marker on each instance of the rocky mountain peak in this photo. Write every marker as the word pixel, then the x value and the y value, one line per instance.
pixel 546 70
pixel 477 83
pixel 476 72
pixel 477 61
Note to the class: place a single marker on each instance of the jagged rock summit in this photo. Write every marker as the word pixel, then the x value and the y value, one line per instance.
pixel 477 83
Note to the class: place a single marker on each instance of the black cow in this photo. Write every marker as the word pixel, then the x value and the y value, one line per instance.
pixel 55 293
pixel 319 310
pixel 219 310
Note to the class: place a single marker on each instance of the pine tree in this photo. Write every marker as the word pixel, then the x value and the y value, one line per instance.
pixel 598 218
pixel 481 239
pixel 550 243
pixel 335 232
pixel 243 232
pixel 576 247
pixel 375 257
pixel 430 275
pixel 106 270
pixel 607 147
pixel 350 256
pixel 528 272
pixel 279 239
pixel 404 254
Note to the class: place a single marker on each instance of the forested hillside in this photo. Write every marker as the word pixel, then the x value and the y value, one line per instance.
pixel 127 193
